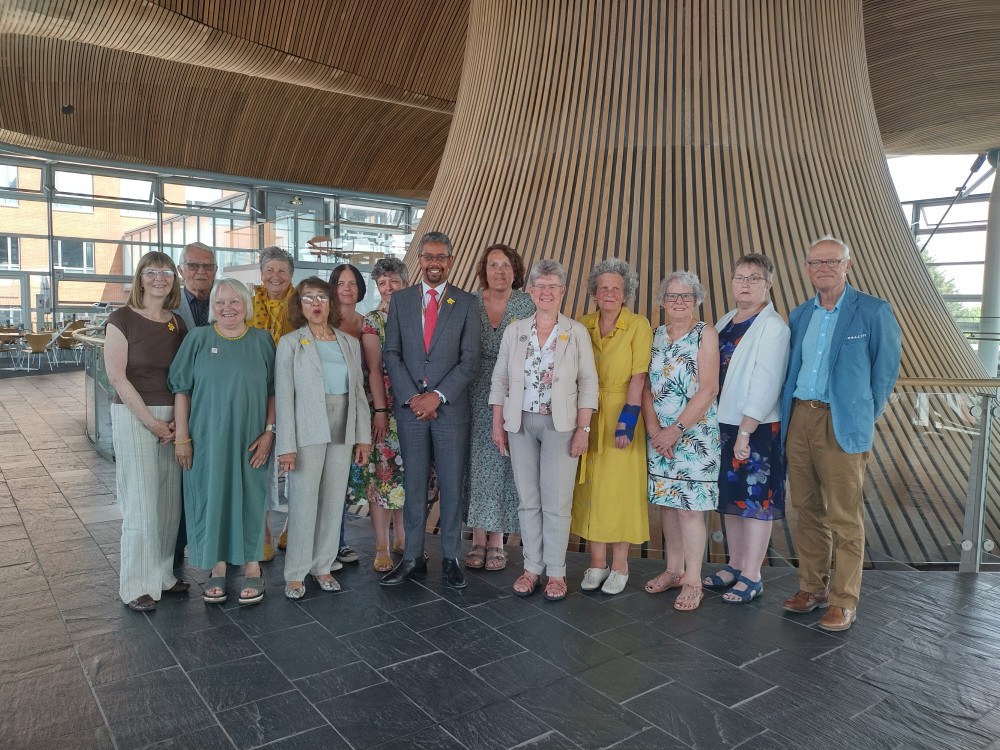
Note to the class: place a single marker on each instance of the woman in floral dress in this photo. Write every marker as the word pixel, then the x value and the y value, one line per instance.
pixel 682 434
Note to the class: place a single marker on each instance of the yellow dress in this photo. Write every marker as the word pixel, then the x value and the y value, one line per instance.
pixel 609 504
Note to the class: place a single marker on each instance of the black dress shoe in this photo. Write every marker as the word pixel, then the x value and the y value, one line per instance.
pixel 408 568
pixel 454 578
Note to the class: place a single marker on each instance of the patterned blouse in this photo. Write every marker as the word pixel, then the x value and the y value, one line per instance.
pixel 271 314
pixel 538 368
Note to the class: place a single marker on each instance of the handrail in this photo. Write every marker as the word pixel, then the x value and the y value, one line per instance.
pixel 948 382
pixel 81 334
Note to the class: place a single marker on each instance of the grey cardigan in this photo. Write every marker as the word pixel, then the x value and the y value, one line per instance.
pixel 299 395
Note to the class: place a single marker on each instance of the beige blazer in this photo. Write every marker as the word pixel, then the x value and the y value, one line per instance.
pixel 574 376
pixel 299 395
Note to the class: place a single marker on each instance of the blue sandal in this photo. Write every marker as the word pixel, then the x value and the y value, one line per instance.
pixel 752 591
pixel 714 582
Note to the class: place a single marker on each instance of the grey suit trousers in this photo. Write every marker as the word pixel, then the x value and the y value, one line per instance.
pixel 317 489
pixel 448 446
pixel 544 473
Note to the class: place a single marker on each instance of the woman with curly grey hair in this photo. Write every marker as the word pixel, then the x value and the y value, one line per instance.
pixel 609 505
pixel 678 405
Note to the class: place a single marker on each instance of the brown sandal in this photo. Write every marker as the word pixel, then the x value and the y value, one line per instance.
pixel 689 599
pixel 383 563
pixel 476 558
pixel 555 589
pixel 497 557
pixel 527 583
pixel 667 580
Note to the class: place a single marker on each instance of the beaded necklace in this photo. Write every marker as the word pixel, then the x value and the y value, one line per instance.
pixel 230 338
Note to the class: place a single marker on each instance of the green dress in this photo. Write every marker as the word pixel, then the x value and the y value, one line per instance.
pixel 229 381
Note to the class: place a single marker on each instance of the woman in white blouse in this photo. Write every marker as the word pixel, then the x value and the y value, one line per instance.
pixel 543 395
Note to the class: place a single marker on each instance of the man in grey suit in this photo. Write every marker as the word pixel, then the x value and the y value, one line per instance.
pixel 197 269
pixel 431 353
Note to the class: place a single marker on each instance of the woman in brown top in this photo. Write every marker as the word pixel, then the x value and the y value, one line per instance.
pixel 142 339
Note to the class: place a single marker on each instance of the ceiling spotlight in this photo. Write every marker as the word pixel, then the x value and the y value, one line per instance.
pixel 296 201
pixel 66 109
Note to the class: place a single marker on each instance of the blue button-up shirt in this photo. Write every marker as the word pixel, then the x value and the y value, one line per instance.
pixel 813 382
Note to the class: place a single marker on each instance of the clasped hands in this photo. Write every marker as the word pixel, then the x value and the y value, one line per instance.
pixel 424 406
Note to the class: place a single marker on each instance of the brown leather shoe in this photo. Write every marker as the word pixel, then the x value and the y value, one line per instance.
pixel 806 601
pixel 838 618
pixel 144 603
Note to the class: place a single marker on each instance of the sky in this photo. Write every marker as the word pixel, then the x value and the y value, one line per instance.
pixel 920 177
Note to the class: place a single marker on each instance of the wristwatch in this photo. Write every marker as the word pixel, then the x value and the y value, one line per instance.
pixel 270 428
pixel 744 433
pixel 585 429
pixel 680 425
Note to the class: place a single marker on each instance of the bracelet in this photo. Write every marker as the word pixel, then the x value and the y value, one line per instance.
pixel 679 425
pixel 181 442
pixel 744 433
pixel 381 411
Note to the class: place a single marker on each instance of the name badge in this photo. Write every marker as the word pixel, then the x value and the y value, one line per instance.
pixel 214 350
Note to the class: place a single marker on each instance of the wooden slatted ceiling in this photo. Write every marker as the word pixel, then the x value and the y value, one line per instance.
pixel 161 112
pixel 679 135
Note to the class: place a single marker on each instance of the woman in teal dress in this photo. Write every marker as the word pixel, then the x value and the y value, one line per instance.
pixel 682 434
pixel 490 492
pixel 223 381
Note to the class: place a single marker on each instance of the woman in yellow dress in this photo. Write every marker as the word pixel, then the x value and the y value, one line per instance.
pixel 609 504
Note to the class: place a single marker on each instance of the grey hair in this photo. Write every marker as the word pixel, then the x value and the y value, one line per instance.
pixel 687 278
pixel 434 237
pixel 197 246
pixel 239 289
pixel 616 266
pixel 273 252
pixel 765 264
pixel 547 267
pixel 385 266
pixel 834 240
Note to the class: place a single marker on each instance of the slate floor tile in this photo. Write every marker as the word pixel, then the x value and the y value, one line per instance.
pixel 270 719
pixel 623 678
pixel 697 721
pixel 329 611
pixel 387 644
pixel 178 615
pixel 274 613
pixel 374 715
pixel 586 614
pixel 550 741
pixel 204 648
pixel 632 637
pixel 432 738
pixel 499 725
pixel 559 643
pixel 516 674
pixel 305 650
pixel 439 685
pixel 111 657
pixel 321 738
pixel 580 713
pixel 334 682
pixel 153 707
pixel 210 738
pixel 497 612
pixel 651 738
pixel 472 643
pixel 234 683
pixel 432 614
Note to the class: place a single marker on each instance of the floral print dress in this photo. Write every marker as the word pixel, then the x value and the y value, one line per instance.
pixel 690 480
pixel 755 487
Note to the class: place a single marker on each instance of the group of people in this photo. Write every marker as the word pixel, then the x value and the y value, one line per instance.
pixel 516 418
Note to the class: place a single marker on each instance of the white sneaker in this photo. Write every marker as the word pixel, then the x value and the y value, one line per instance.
pixel 337 565
pixel 615 583
pixel 594 577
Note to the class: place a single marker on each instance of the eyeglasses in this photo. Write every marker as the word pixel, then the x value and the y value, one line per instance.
pixel 682 296
pixel 151 274
pixel 434 258
pixel 755 279
pixel 200 266
pixel 547 287
pixel 830 263
pixel 310 298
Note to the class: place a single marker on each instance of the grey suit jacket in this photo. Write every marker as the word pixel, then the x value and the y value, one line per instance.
pixel 184 312
pixel 450 364
pixel 299 395
pixel 574 374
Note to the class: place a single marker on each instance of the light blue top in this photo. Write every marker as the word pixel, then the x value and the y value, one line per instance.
pixel 813 382
pixel 335 379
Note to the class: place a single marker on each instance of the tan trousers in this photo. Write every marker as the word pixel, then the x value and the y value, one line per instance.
pixel 826 492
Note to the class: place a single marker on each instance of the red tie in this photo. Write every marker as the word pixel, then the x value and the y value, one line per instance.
pixel 430 319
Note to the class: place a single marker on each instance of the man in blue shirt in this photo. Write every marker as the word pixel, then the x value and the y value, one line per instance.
pixel 843 365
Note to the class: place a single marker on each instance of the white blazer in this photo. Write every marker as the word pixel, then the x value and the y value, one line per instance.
pixel 300 396
pixel 574 375
pixel 756 372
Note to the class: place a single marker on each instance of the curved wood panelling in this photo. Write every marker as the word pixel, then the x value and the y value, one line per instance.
pixel 935 74
pixel 679 135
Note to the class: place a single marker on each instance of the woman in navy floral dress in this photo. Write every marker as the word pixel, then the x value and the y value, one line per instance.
pixel 753 354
